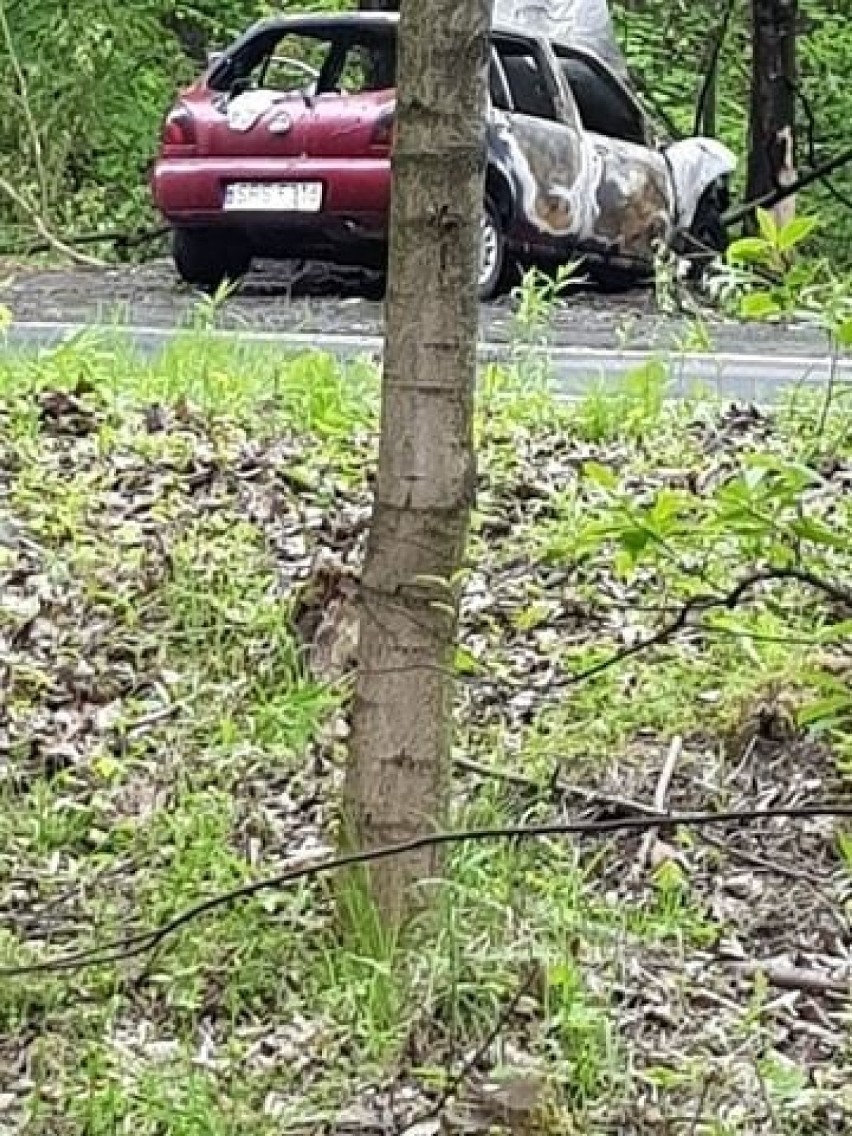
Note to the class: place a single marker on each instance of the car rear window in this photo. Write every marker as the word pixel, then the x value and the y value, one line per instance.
pixel 314 63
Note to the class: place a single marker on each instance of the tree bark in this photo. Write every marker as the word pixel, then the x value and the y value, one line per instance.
pixel 400 746
pixel 772 129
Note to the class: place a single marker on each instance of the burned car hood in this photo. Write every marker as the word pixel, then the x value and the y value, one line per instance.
pixel 585 24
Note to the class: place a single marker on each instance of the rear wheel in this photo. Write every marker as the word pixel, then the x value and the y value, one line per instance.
pixel 206 258
pixel 492 254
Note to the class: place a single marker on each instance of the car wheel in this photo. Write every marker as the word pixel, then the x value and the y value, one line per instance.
pixel 492 254
pixel 206 258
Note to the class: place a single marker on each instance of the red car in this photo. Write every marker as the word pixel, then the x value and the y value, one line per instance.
pixel 283 149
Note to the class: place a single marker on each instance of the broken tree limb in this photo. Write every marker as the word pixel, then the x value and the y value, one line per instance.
pixel 117 237
pixel 39 224
pixel 825 170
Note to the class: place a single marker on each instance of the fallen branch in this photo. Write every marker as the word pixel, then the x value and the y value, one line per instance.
pixel 819 173
pixel 787 977
pixel 660 797
pixel 120 950
pixel 50 239
pixel 121 240
pixel 457 1081
pixel 556 786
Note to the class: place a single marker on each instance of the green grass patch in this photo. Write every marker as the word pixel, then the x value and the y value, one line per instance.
pixel 163 740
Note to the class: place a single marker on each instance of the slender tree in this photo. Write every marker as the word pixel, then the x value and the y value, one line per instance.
pixel 772 129
pixel 399 762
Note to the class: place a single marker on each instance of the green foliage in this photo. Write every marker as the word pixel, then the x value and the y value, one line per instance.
pixel 83 90
pixel 668 44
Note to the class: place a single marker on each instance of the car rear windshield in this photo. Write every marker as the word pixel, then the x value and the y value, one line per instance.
pixel 309 61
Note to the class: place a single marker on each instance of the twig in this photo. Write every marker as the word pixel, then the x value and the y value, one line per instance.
pixel 556 786
pixel 135 945
pixel 712 73
pixel 122 240
pixel 754 861
pixel 661 796
pixel 836 592
pixel 468 1066
pixel 26 107
pixel 786 977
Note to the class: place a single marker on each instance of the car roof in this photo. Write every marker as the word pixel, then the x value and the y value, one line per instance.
pixel 329 21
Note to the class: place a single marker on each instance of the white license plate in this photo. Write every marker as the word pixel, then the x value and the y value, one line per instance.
pixel 281 197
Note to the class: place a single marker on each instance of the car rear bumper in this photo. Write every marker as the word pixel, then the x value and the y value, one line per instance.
pixel 191 191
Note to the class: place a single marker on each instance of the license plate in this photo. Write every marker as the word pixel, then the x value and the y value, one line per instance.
pixel 278 197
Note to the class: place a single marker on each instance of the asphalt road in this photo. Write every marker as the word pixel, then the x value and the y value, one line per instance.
pixel 592 337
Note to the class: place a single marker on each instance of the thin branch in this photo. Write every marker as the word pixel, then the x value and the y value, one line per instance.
pixel 135 945
pixel 712 73
pixel 43 231
pixel 556 786
pixel 32 128
pixel 458 1079
pixel 661 796
pixel 836 592
pixel 786 977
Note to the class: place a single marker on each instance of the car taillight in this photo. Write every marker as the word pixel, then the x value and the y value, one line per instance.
pixel 179 131
pixel 384 131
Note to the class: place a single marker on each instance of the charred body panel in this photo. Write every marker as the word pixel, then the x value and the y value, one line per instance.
pixel 584 175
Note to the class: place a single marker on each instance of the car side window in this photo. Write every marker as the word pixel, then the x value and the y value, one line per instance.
pixel 604 107
pixel 527 82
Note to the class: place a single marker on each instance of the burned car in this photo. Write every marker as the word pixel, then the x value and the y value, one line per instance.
pixel 282 149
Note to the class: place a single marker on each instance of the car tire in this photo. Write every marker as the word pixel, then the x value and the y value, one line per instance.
pixel 207 258
pixel 494 263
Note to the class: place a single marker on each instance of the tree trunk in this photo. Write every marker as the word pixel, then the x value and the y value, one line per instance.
pixel 772 129
pixel 400 746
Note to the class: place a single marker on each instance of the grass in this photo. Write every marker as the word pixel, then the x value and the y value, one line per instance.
pixel 164 740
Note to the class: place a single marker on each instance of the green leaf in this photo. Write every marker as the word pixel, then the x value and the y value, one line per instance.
pixel 844 333
pixel 768 227
pixel 825 710
pixel 601 475
pixel 466 663
pixel 759 305
pixel 818 533
pixel 749 250
pixel 796 231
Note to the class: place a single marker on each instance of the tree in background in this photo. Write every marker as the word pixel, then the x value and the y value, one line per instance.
pixel 400 746
pixel 772 120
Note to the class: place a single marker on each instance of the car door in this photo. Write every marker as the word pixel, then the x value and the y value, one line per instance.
pixel 535 140
pixel 578 189
pixel 634 203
